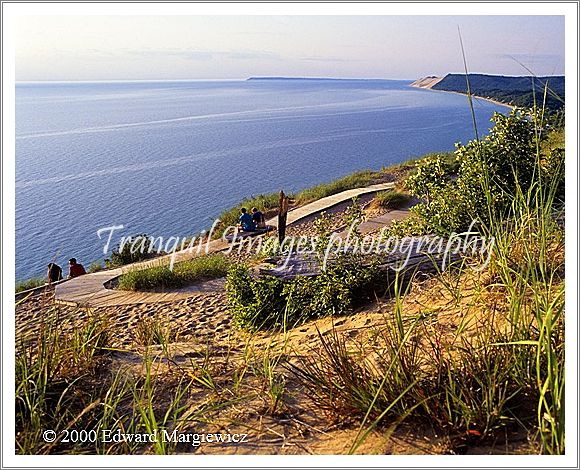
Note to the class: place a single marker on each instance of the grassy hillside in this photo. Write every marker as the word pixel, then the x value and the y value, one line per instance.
pixel 518 91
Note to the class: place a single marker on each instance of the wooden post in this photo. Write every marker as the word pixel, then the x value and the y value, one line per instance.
pixel 282 216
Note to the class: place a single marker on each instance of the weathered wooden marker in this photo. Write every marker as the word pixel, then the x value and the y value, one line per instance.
pixel 282 216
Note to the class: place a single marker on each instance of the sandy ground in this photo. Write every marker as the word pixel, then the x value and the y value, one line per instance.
pixel 426 82
pixel 202 334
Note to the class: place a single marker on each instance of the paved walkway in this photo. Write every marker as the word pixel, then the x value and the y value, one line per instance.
pixel 90 291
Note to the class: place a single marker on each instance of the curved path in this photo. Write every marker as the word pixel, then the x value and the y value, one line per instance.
pixel 327 202
pixel 90 291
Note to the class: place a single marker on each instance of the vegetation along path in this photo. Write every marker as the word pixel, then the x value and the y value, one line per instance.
pixel 90 290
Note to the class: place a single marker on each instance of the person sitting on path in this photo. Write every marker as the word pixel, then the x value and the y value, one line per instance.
pixel 246 221
pixel 54 273
pixel 75 269
pixel 258 218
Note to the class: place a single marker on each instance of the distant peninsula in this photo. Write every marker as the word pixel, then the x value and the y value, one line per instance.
pixel 313 79
pixel 513 91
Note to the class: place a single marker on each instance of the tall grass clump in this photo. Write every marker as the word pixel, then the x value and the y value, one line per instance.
pixel 504 366
pixel 528 264
pixel 392 200
pixel 52 372
pixel 29 284
pixel 198 269
pixel 374 385
pixel 465 387
pixel 64 383
pixel 155 330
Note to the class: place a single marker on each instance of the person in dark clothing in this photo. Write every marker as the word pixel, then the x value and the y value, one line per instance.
pixel 258 218
pixel 75 269
pixel 54 273
pixel 246 222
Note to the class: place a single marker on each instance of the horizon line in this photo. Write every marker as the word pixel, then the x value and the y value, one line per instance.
pixel 261 77
pixel 255 77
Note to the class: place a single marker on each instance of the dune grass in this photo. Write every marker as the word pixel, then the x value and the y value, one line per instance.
pixel 64 383
pixel 198 269
pixel 392 200
pixel 503 366
pixel 354 180
pixel 269 202
pixel 29 284
pixel 500 369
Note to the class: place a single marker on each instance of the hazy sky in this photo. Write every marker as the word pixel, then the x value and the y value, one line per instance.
pixel 194 47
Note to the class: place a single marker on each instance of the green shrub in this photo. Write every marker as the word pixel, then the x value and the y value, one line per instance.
pixel 182 274
pixel 353 217
pixel 268 302
pixel 255 302
pixel 29 284
pixel 95 267
pixel 322 226
pixel 490 173
pixel 136 248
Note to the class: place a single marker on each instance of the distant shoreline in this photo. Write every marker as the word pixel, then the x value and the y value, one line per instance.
pixel 323 79
pixel 276 148
pixel 491 100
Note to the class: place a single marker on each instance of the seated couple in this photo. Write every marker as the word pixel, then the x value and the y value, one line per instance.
pixel 251 223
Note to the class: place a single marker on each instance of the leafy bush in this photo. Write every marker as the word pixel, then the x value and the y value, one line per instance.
pixel 322 228
pixel 269 302
pixel 182 274
pixel 255 302
pixel 353 217
pixel 490 172
pixel 136 248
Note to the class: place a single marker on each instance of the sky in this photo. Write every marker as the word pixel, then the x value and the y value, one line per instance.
pixel 233 47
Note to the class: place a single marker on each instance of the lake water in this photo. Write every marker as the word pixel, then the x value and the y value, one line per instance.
pixel 165 158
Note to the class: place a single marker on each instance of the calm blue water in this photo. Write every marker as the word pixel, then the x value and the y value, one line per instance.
pixel 165 158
